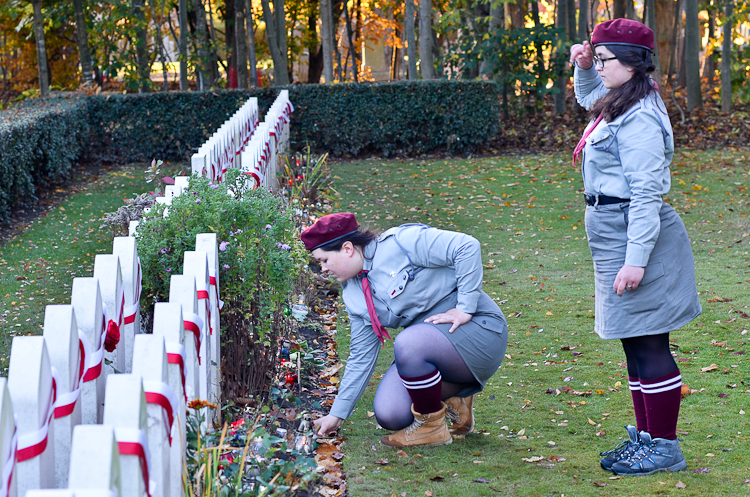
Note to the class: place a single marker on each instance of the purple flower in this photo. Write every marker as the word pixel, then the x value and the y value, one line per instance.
pixel 225 267
pixel 223 246
pixel 163 251
pixel 283 246
pixel 169 269
pixel 213 186
pixel 197 201
pixel 268 227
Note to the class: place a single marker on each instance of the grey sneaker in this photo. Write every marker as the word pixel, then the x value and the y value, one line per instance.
pixel 654 455
pixel 623 450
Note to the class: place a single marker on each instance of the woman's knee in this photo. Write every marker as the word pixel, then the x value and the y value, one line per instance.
pixel 393 419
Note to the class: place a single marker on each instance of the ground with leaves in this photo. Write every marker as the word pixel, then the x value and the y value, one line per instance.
pixel 561 395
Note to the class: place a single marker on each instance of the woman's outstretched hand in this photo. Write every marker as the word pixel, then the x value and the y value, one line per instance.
pixel 326 424
pixel 582 54
pixel 454 316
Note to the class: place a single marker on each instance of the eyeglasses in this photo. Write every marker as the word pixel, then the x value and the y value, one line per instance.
pixel 599 61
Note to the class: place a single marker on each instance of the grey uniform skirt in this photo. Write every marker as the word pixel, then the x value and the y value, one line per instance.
pixel 481 342
pixel 666 298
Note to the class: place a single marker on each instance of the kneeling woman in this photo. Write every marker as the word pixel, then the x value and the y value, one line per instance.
pixel 429 282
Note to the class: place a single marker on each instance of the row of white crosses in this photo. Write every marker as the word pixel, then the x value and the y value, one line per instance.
pixel 222 150
pixel 260 160
pixel 244 143
pixel 84 413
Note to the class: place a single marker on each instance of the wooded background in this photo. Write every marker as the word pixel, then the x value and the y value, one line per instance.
pixel 165 45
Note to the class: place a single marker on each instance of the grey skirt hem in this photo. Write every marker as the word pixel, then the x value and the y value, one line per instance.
pixel 619 335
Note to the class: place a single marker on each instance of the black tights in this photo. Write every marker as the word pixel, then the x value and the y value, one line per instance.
pixel 649 356
pixel 419 350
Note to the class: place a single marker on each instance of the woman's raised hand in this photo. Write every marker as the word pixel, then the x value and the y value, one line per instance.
pixel 454 316
pixel 582 54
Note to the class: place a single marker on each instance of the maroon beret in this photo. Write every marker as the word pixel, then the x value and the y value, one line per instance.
pixel 623 32
pixel 329 229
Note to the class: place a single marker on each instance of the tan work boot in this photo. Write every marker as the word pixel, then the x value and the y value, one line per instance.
pixel 461 414
pixel 426 429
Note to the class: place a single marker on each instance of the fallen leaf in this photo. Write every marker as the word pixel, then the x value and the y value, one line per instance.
pixel 521 432
pixel 401 453
pixel 532 459
pixel 382 462
pixel 437 478
pixel 481 480
pixel 702 470
pixel 680 485
pixel 428 493
pixel 600 484
pixel 591 422
pixel 712 367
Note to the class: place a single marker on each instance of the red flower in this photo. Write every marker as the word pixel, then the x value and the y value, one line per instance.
pixel 113 336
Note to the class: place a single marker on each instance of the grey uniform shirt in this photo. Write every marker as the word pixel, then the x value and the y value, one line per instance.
pixel 629 158
pixel 442 263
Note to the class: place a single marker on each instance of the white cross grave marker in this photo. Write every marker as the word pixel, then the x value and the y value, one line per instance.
pixel 130 264
pixel 8 441
pixel 95 460
pixel 107 270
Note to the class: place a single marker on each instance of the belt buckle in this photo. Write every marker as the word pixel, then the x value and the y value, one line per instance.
pixel 589 199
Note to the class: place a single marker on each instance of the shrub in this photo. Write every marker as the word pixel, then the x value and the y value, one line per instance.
pixel 39 142
pixel 259 255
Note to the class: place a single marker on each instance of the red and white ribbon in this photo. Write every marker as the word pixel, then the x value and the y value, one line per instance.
pixel 176 355
pixel 160 393
pixel 202 291
pixel 33 444
pixel 194 324
pixel 132 309
pixel 212 282
pixel 133 442
pixel 66 402
pixel 96 358
pixel 10 464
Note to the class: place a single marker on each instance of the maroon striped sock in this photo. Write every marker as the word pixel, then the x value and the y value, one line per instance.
pixel 425 392
pixel 662 399
pixel 638 405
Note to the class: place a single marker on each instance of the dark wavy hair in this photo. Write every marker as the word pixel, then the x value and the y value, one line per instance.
pixel 360 239
pixel 618 101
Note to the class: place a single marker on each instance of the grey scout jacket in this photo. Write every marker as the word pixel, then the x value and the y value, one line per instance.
pixel 629 158
pixel 442 264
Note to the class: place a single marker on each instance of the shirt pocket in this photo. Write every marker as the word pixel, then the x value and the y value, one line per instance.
pixel 399 283
pixel 601 138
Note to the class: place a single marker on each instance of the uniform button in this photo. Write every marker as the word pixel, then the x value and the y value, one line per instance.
pixel 374 291
pixel 400 288
pixel 388 308
pixel 484 322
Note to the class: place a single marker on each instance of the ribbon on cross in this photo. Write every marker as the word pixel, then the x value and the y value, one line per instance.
pixel 96 358
pixel 33 444
pixel 9 465
pixel 161 394
pixel 194 324
pixel 66 402
pixel 133 442
pixel 132 310
pixel 176 355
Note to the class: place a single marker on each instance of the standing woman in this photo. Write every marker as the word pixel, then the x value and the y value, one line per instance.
pixel 429 282
pixel 643 263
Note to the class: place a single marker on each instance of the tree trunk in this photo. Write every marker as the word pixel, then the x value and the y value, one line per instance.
pixel 650 18
pixel 411 43
pixel 562 77
pixel 239 31
pixel 709 66
pixel 326 32
pixel 252 58
pixel 201 40
pixel 184 86
pixel 629 9
pixel 571 20
pixel 279 13
pixel 726 58
pixel 87 73
pixel 496 19
pixel 692 55
pixel 425 39
pixel 664 14
pixel 618 9
pixel 160 41
pixel 41 49
pixel 230 36
pixel 583 20
pixel 141 43
pixel 280 73
pixel 541 71
pixel 675 34
pixel 349 32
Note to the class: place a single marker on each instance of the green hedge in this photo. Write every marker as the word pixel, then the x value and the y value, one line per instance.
pixel 39 142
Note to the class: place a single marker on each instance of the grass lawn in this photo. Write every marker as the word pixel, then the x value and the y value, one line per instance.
pixel 37 267
pixel 527 211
